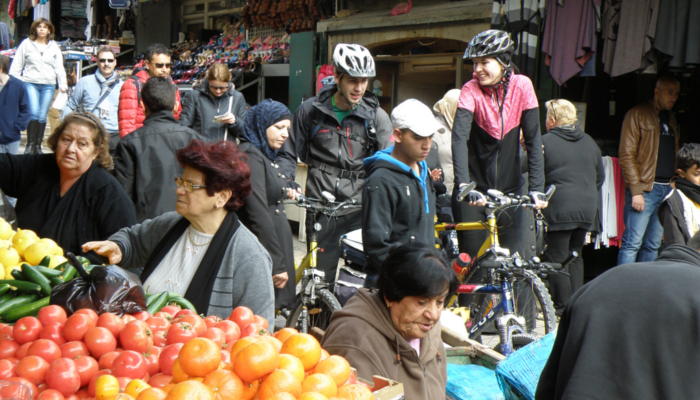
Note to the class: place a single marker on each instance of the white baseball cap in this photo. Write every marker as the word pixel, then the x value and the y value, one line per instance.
pixel 416 116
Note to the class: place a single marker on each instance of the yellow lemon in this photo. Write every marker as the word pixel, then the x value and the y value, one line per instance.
pixel 51 245
pixel 56 261
pixel 36 252
pixel 8 271
pixel 6 231
pixel 5 243
pixel 2 272
pixel 23 234
pixel 23 244
pixel 9 256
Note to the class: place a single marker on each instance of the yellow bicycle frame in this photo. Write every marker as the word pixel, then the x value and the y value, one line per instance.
pixel 309 261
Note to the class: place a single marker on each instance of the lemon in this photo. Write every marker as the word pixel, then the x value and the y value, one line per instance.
pixel 2 272
pixel 56 261
pixel 6 231
pixel 36 252
pixel 22 244
pixel 23 234
pixel 9 256
pixel 8 271
pixel 5 243
pixel 52 246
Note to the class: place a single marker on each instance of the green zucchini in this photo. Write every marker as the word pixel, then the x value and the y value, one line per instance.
pixel 83 260
pixel 48 272
pixel 35 276
pixel 7 296
pixel 22 286
pixel 181 301
pixel 25 310
pixel 18 275
pixel 55 281
pixel 4 288
pixel 63 266
pixel 16 302
pixel 69 273
pixel 157 302
pixel 45 261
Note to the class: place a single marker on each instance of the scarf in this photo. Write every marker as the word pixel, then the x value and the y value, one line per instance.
pixel 208 269
pixel 689 189
pixel 258 119
pixel 447 106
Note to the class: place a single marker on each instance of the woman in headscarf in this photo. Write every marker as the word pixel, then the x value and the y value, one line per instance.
pixel 266 128
pixel 445 110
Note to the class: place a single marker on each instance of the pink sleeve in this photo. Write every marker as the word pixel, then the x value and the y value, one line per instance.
pixel 466 99
pixel 527 91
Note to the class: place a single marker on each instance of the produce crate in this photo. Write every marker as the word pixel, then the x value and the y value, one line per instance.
pixel 466 351
pixel 386 389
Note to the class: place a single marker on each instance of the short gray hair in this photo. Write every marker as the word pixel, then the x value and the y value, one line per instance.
pixel 563 111
pixel 105 49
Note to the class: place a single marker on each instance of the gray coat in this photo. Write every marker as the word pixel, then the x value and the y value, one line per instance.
pixel 244 279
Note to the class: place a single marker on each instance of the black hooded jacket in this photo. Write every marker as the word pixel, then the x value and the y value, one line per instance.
pixel 631 333
pixel 199 109
pixel 573 163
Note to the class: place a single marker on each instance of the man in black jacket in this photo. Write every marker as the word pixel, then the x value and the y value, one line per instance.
pixel 399 198
pixel 631 333
pixel 145 163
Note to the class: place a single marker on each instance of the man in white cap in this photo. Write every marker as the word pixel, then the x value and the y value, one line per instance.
pixel 398 201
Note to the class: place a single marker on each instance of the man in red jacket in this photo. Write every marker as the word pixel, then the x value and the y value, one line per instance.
pixel 156 64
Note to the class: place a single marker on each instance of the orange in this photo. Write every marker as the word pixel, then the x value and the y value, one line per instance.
pixel 250 390
pixel 282 396
pixel 196 378
pixel 191 390
pixel 199 356
pixel 319 383
pixel 178 374
pixel 241 343
pixel 255 361
pixel 152 394
pixel 225 384
pixel 120 396
pixel 278 382
pixel 324 354
pixel 305 347
pixel 355 392
pixel 313 396
pixel 292 364
pixel 273 341
pixel 167 387
pixel 284 334
pixel 336 367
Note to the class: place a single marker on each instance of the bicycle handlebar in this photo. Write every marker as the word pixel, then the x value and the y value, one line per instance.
pixel 497 199
pixel 534 264
pixel 325 206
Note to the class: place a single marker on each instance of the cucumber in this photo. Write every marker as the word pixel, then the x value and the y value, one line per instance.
pixel 35 276
pixel 22 286
pixel 69 273
pixel 16 302
pixel 7 296
pixel 181 301
pixel 4 288
pixel 48 272
pixel 25 310
pixel 83 260
pixel 63 266
pixel 18 275
pixel 157 302
pixel 55 281
pixel 45 261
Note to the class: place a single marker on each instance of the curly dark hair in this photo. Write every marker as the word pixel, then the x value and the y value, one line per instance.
pixel 223 166
pixel 100 138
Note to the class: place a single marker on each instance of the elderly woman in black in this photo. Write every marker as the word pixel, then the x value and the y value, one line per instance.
pixel 266 128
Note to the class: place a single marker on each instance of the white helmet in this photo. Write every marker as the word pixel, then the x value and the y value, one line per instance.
pixel 354 60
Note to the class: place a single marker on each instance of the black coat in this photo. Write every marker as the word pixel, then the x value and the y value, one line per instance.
pixel 631 333
pixel 200 107
pixel 94 208
pixel 670 214
pixel 572 162
pixel 263 213
pixel 145 163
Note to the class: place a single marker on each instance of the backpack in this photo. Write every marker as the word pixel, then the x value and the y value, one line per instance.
pixel 119 4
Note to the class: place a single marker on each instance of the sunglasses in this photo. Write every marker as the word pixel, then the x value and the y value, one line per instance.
pixel 162 65
pixel 106 60
pixel 218 87
pixel 189 187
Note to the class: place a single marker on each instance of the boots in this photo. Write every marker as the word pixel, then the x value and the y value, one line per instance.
pixel 32 130
pixel 40 137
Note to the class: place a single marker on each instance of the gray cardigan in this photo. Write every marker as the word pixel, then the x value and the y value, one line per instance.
pixel 244 279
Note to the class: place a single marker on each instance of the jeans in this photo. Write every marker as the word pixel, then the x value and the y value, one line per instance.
pixel 560 244
pixel 10 148
pixel 643 231
pixel 40 97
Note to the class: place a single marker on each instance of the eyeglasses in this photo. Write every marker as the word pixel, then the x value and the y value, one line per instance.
pixel 218 87
pixel 189 187
pixel 106 60
pixel 551 107
pixel 162 65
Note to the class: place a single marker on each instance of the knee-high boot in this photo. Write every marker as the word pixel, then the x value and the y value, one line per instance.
pixel 32 130
pixel 40 137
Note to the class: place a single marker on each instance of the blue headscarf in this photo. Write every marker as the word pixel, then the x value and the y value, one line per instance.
pixel 258 119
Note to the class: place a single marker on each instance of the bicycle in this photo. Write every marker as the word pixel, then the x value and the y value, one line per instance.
pixel 496 301
pixel 315 302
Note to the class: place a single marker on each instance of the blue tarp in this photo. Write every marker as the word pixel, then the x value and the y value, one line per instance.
pixel 472 382
pixel 519 373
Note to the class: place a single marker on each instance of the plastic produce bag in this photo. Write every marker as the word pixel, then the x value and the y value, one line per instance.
pixel 7 211
pixel 519 373
pixel 472 382
pixel 105 289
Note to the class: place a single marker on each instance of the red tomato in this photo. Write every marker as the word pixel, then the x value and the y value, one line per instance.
pixel 106 360
pixel 141 315
pixel 100 341
pixel 53 331
pixel 89 312
pixel 126 318
pixel 212 320
pixel 63 376
pixel 159 380
pixel 216 335
pixel 91 385
pixel 130 364
pixel 26 330
pixel 242 316
pixel 123 381
pixel 231 329
pixel 77 326
pixel 80 394
pixel 6 330
pixel 182 313
pixel 27 383
pixel 172 310
pixel 74 349
pixel 87 367
pixel 136 336
pixel 168 356
pixel 112 322
pixel 261 321
pixel 22 351
pixel 32 368
pixel 180 333
pixel 158 324
pixel 163 315
pixel 45 349
pixel 50 314
pixel 13 360
pixel 7 370
pixel 160 339
pixel 152 359
pixel 197 322
pixel 253 330
pixel 225 356
pixel 50 394
pixel 8 348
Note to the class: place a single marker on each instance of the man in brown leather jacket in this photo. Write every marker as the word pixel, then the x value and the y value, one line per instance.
pixel 648 145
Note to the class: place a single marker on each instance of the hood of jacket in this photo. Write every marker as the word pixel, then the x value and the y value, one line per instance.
pixel 383 159
pixel 568 132
pixel 141 73
pixel 369 101
pixel 680 253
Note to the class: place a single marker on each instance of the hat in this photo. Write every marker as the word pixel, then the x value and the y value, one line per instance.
pixel 416 116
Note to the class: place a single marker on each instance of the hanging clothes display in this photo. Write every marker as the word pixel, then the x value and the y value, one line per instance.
pixel 612 205
pixel 522 19
pixel 629 30
pixel 42 10
pixel 569 37
pixel 5 37
pixel 678 33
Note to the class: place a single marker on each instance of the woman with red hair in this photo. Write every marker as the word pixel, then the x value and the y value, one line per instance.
pixel 201 251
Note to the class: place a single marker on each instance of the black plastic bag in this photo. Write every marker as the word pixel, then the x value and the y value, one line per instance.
pixel 7 211
pixel 105 289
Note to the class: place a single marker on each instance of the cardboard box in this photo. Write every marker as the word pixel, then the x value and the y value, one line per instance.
pixel 386 389
pixel 124 40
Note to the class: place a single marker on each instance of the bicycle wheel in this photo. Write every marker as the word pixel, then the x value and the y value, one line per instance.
pixel 319 313
pixel 533 303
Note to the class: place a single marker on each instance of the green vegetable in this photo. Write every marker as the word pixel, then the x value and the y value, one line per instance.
pixel 157 302
pixel 35 276
pixel 25 310
pixel 181 301
pixel 55 281
pixel 69 273
pixel 17 274
pixel 22 286
pixel 4 288
pixel 7 296
pixel 45 261
pixel 48 272
pixel 16 302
